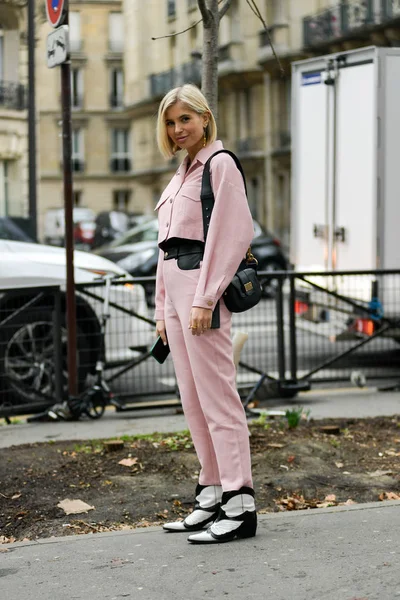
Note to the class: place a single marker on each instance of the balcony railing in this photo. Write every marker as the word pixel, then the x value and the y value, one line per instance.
pixel 12 95
pixel 116 100
pixel 348 18
pixel 78 165
pixel 281 142
pixel 120 165
pixel 249 145
pixel 161 83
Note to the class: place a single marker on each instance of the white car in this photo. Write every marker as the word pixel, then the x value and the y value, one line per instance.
pixel 26 330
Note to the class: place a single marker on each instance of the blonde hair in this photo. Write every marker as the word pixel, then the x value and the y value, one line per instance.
pixel 192 97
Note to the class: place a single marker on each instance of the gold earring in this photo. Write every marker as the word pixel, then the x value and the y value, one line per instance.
pixel 204 138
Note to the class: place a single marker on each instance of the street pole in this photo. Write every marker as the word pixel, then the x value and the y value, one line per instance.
pixel 69 226
pixel 32 189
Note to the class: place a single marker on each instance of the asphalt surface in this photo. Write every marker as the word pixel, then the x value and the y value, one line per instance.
pixel 329 554
pixel 342 553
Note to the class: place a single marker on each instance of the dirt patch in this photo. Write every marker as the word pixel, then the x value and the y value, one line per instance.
pixel 298 468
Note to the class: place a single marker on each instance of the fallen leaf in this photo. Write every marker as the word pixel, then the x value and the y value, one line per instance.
pixel 16 496
pixel 290 459
pixel 128 462
pixel 284 467
pixel 348 502
pixel 273 445
pixel 6 540
pixel 339 465
pixel 389 496
pixel 74 507
pixel 330 498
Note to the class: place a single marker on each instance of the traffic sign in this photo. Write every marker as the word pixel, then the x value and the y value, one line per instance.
pixel 56 11
pixel 57 46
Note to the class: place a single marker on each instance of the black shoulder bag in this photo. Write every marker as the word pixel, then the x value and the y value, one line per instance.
pixel 244 291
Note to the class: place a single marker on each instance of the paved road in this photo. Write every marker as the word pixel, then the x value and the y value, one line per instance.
pixel 344 403
pixel 326 554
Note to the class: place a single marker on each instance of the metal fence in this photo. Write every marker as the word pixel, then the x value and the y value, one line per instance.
pixel 318 328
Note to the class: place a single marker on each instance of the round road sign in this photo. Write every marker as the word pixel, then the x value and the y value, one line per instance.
pixel 56 10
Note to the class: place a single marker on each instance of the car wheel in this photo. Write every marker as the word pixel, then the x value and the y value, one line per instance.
pixel 27 359
pixel 269 284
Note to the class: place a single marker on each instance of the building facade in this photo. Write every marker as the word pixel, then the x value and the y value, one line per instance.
pixel 101 130
pixel 13 113
pixel 120 73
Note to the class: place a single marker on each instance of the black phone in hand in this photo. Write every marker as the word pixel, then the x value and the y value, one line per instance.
pixel 159 351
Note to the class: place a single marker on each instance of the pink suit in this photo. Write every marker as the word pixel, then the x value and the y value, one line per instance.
pixel 204 364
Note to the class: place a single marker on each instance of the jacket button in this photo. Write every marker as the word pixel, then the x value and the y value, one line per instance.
pixel 166 254
pixel 170 200
pixel 210 303
pixel 167 225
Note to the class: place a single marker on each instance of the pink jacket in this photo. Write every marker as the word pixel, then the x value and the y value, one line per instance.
pixel 231 226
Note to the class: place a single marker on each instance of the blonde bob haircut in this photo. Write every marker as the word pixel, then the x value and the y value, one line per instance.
pixel 192 97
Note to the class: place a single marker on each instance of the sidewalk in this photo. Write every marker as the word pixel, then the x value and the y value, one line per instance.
pixel 344 553
pixel 341 403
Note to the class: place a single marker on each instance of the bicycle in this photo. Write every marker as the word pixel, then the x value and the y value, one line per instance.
pixel 93 401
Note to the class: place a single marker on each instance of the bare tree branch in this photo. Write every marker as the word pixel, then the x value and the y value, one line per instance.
pixel 179 32
pixel 205 13
pixel 161 37
pixel 224 8
pixel 256 11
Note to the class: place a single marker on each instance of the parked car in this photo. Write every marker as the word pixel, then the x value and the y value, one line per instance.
pixel 137 252
pixel 54 226
pixel 10 231
pixel 111 225
pixel 26 324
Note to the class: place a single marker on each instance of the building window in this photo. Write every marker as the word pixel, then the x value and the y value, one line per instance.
pixel 76 88
pixel 116 32
pixel 78 162
pixel 1 53
pixel 117 88
pixel 171 9
pixel 77 197
pixel 121 200
pixel 120 154
pixel 75 37
pixel 4 193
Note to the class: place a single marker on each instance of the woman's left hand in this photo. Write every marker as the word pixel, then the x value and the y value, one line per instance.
pixel 200 320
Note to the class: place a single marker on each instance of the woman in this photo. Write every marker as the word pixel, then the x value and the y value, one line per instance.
pixel 191 279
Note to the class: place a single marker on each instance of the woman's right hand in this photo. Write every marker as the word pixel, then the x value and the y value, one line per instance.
pixel 160 330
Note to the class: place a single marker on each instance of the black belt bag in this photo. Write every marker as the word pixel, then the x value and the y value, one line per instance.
pixel 188 256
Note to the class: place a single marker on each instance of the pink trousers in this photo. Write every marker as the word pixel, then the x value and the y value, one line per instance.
pixel 206 378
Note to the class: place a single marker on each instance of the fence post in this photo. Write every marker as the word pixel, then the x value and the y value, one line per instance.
pixel 58 358
pixel 292 330
pixel 281 333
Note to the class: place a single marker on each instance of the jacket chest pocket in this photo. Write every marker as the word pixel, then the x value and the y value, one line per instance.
pixel 190 204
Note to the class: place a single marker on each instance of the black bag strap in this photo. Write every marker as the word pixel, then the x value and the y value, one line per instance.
pixel 207 194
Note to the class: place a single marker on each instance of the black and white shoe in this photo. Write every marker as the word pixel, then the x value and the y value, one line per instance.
pixel 237 518
pixel 206 508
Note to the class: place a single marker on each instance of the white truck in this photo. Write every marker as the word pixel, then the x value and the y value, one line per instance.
pixel 346 185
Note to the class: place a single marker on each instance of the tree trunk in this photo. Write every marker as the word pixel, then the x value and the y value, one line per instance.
pixel 209 73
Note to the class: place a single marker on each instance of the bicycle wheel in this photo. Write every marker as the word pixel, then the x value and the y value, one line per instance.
pixel 95 404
